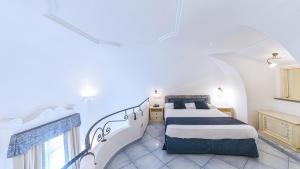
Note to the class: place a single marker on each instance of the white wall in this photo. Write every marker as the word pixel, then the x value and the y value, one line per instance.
pixel 262 86
pixel 122 76
pixel 234 90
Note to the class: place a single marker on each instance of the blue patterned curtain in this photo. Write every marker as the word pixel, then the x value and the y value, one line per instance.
pixel 20 143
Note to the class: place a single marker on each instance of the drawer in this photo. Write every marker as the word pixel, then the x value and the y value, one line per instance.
pixel 279 129
pixel 156 116
pixel 156 110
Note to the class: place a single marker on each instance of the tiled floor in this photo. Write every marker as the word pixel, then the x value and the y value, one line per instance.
pixel 147 154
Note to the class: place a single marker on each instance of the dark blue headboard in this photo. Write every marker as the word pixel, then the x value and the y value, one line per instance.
pixel 187 98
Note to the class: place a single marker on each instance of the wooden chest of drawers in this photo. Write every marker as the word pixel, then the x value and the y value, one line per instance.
pixel 156 114
pixel 283 128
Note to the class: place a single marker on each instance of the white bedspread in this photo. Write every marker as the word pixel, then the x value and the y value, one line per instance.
pixel 207 131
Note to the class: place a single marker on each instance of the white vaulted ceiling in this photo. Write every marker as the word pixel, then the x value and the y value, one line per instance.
pixel 128 22
pixel 214 26
pixel 161 41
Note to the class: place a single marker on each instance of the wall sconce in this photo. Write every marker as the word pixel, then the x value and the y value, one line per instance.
pixel 88 93
pixel 220 92
pixel 155 99
pixel 269 60
pixel 156 94
pixel 218 97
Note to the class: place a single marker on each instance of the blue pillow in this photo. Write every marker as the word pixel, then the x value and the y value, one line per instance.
pixel 201 105
pixel 179 105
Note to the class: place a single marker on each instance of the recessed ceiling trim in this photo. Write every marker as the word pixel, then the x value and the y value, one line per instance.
pixel 75 29
pixel 240 50
pixel 176 30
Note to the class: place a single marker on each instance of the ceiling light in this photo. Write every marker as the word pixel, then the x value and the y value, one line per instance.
pixel 270 62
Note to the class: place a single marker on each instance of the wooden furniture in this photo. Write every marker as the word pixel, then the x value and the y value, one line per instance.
pixel 156 114
pixel 227 110
pixel 290 81
pixel 282 128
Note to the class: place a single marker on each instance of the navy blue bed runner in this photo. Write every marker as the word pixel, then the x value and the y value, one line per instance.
pixel 202 121
pixel 241 147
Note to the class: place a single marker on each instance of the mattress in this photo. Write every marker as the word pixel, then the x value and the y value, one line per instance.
pixel 241 131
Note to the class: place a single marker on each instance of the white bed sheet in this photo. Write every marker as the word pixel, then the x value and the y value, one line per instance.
pixel 194 113
pixel 207 131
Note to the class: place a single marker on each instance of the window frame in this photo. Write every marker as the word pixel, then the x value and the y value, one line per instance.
pixel 66 149
pixel 285 86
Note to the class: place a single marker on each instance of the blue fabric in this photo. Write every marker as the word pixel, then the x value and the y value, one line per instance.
pixel 20 143
pixel 202 121
pixel 201 105
pixel 179 105
pixel 241 147
pixel 238 147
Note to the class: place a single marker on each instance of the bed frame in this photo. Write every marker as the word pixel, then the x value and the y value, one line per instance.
pixel 187 98
pixel 238 147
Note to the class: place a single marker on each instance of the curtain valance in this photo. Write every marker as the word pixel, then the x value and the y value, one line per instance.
pixel 20 143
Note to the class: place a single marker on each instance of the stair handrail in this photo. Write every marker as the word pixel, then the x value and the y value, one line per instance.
pixel 104 131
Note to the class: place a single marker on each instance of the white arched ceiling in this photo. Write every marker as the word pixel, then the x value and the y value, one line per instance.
pixel 205 23
pixel 128 22
pixel 34 46
pixel 260 47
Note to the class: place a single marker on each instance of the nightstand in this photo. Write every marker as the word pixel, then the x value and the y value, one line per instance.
pixel 227 110
pixel 156 114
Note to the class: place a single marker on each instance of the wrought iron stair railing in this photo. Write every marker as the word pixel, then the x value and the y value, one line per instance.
pixel 101 132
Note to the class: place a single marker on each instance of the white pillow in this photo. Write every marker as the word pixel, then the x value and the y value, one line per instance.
pixel 190 106
pixel 211 106
pixel 169 105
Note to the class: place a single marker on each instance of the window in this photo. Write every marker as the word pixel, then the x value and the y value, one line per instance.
pixel 291 83
pixel 55 153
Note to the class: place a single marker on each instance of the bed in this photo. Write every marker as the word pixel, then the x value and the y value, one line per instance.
pixel 206 131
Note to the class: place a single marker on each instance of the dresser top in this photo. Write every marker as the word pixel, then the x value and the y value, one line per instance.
pixel 160 107
pixel 283 116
